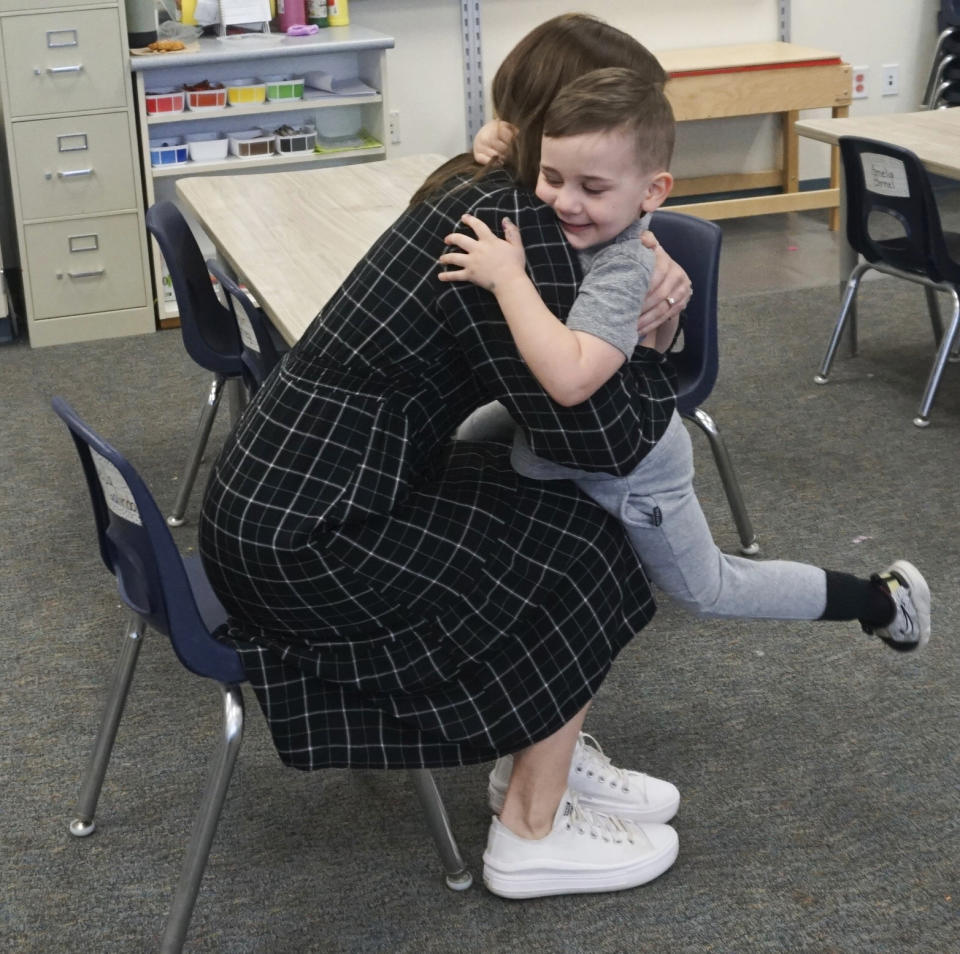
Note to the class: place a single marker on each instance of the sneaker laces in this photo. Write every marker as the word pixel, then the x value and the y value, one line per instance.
pixel 608 828
pixel 592 762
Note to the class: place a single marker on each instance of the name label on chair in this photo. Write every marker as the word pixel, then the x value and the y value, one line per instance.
pixel 247 334
pixel 116 490
pixel 885 175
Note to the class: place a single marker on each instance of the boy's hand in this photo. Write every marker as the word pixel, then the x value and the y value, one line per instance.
pixel 485 260
pixel 493 140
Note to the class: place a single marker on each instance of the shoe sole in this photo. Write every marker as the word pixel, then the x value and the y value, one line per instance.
pixel 541 883
pixel 920 594
pixel 663 814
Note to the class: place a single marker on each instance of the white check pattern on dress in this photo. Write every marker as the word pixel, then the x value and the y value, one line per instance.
pixel 398 599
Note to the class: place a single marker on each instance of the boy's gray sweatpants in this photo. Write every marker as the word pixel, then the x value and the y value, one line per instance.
pixel 657 505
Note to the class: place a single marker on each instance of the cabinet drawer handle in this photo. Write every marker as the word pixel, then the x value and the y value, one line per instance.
pixel 60 69
pixel 72 173
pixel 91 274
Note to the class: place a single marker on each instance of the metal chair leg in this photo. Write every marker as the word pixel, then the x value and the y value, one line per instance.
pixel 846 307
pixel 205 825
pixel 933 307
pixel 932 79
pixel 943 353
pixel 457 876
pixel 936 82
pixel 748 539
pixel 83 824
pixel 196 454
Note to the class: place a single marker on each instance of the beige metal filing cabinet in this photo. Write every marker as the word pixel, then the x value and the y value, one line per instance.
pixel 71 143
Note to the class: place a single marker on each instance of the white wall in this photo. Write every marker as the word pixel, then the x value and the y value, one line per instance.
pixel 425 71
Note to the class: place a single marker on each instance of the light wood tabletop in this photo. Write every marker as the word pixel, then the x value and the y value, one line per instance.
pixel 741 56
pixel 933 134
pixel 292 237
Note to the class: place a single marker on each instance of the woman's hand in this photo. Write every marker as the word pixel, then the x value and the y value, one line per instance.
pixel 485 260
pixel 493 140
pixel 669 292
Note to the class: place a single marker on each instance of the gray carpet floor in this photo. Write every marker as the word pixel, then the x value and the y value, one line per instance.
pixel 819 770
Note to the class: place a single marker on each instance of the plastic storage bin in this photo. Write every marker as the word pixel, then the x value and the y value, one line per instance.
pixel 283 87
pixel 246 90
pixel 207 146
pixel 342 121
pixel 251 143
pixel 206 96
pixel 287 141
pixel 169 151
pixel 165 101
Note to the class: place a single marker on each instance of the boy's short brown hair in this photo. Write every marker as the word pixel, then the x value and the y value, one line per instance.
pixel 615 98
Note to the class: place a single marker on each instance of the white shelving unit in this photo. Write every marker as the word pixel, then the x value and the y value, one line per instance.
pixel 344 52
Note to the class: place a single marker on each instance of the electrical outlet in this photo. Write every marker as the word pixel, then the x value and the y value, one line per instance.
pixel 891 79
pixel 394 126
pixel 860 76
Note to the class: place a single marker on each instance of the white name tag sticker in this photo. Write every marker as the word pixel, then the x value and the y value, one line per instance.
pixel 885 175
pixel 117 492
pixel 247 335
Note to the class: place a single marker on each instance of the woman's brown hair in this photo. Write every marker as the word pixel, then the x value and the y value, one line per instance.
pixel 551 55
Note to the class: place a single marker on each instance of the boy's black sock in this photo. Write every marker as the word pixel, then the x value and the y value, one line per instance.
pixel 850 597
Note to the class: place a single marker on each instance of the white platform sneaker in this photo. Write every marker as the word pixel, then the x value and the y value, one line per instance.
pixel 585 851
pixel 601 786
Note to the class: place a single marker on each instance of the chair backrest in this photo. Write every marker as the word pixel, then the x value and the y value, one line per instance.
pixel 949 14
pixel 138 550
pixel 694 244
pixel 892 215
pixel 259 354
pixel 209 329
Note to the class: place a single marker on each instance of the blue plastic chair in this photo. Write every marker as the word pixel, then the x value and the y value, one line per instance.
pixel 261 347
pixel 894 223
pixel 171 594
pixel 694 244
pixel 209 329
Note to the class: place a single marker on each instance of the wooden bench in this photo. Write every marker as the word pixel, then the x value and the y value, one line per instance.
pixel 754 79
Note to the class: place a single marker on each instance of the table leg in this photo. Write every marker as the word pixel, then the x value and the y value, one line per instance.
pixel 835 214
pixel 847 258
pixel 790 162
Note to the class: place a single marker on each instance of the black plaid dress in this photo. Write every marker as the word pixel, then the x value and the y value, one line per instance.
pixel 398 599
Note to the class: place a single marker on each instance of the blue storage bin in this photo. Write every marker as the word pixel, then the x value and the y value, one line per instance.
pixel 171 151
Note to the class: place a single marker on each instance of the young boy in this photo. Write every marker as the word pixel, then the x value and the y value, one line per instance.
pixel 607 143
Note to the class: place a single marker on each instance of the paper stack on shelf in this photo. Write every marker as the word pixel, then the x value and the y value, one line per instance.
pixel 319 84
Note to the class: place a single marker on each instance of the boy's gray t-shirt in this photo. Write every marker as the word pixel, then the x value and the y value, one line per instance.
pixel 616 276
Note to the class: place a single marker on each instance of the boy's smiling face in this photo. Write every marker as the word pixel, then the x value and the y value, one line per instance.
pixel 593 181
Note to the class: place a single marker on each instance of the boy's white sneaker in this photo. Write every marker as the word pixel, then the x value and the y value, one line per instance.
pixel 910 628
pixel 601 786
pixel 584 852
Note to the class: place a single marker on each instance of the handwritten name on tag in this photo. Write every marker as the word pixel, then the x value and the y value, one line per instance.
pixel 116 491
pixel 885 175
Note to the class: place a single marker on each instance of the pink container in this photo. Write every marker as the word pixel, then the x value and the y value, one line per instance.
pixel 291 12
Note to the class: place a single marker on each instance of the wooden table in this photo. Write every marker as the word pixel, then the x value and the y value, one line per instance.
pixel 755 79
pixel 934 135
pixel 294 236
